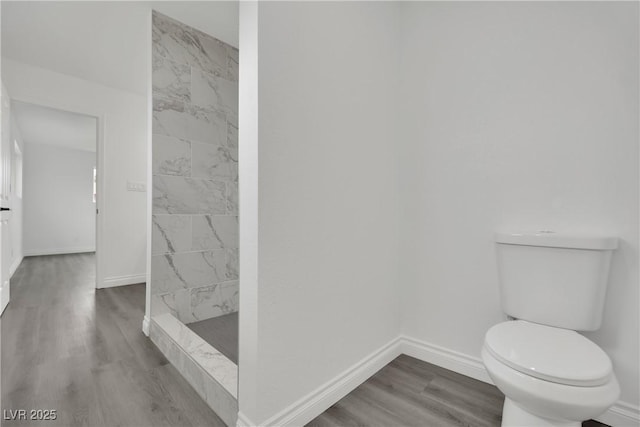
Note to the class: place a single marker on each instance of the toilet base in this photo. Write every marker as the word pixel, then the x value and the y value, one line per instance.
pixel 514 416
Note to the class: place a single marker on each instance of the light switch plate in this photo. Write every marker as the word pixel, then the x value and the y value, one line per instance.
pixel 136 186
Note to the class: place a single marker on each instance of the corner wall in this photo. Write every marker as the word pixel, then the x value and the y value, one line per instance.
pixel 510 115
pixel 516 116
pixel 325 293
pixel 194 241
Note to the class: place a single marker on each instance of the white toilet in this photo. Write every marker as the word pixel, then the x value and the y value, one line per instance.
pixel 554 284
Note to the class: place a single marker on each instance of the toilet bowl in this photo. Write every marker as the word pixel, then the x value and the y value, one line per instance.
pixel 550 376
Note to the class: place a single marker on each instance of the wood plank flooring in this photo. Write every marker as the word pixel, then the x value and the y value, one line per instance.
pixel 409 392
pixel 221 332
pixel 68 347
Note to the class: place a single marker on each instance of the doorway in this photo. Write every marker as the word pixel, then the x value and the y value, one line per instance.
pixel 57 202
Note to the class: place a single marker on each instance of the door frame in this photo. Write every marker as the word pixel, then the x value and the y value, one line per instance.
pixel 101 119
pixel 5 216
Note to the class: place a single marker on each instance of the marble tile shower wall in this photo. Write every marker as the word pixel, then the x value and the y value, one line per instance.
pixel 194 268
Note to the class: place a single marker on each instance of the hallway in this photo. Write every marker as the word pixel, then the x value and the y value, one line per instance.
pixel 80 351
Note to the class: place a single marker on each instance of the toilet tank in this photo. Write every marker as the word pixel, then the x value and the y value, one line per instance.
pixel 554 279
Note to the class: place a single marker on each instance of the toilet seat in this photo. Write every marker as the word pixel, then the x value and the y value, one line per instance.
pixel 552 354
pixel 549 400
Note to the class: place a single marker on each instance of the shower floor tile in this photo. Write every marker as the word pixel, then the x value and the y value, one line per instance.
pixel 221 332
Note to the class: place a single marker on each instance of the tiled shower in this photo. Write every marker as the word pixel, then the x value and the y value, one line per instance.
pixel 194 268
pixel 194 239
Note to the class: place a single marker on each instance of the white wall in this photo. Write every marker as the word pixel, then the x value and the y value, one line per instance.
pixel 102 41
pixel 59 213
pixel 219 19
pixel 518 115
pixel 122 118
pixel 16 221
pixel 248 159
pixel 510 115
pixel 327 289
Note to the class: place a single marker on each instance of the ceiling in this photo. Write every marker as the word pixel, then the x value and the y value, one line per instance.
pixel 43 125
pixel 106 42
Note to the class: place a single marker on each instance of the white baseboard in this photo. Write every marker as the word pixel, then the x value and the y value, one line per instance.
pixel 59 251
pixel 110 282
pixel 244 421
pixel 145 325
pixel 316 402
pixel 445 358
pixel 15 266
pixel 621 414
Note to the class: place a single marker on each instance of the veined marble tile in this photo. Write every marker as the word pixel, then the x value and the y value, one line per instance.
pixel 213 92
pixel 232 118
pixel 171 156
pixel 212 161
pixel 232 198
pixel 170 79
pixel 186 45
pixel 233 266
pixel 170 233
pixel 232 140
pixel 169 117
pixel 206 355
pixel 233 69
pixel 216 52
pixel 232 143
pixel 215 232
pixel 165 276
pixel 226 408
pixel 206 125
pixel 176 303
pixel 180 195
pixel 213 301
pixel 171 272
pixel 234 172
pixel 174 118
pixel 231 293
pixel 233 53
pixel 161 339
pixel 210 373
pixel 233 59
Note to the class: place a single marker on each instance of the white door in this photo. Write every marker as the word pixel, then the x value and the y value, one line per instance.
pixel 5 208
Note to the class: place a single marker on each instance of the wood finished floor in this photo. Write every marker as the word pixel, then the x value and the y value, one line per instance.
pixel 410 392
pixel 68 347
pixel 221 332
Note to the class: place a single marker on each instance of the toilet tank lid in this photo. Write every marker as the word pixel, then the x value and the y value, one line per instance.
pixel 557 240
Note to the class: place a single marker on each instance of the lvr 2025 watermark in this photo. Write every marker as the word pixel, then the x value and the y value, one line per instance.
pixel 30 414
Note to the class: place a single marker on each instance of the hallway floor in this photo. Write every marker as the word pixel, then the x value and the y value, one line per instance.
pixel 80 351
